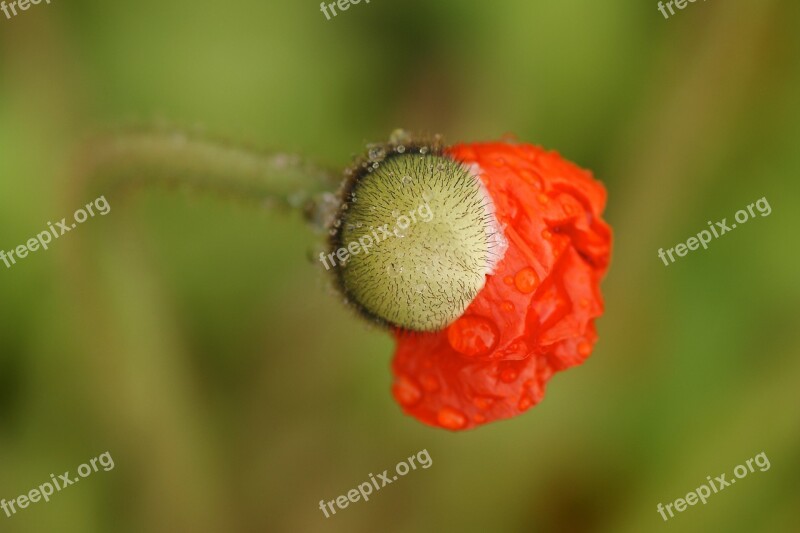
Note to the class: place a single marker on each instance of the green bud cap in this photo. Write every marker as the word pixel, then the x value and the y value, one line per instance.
pixel 414 238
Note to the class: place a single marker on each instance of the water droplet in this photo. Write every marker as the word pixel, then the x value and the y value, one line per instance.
pixel 524 402
pixel 584 348
pixel 508 375
pixel 401 149
pixel 377 153
pixel 451 418
pixel 394 270
pixel 543 199
pixel 584 303
pixel 508 280
pixel 407 180
pixel 423 150
pixel 547 234
pixel 482 402
pixel 507 306
pixel 406 392
pixel 473 336
pixel 526 280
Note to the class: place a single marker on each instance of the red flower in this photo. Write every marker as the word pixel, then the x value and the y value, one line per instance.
pixel 535 315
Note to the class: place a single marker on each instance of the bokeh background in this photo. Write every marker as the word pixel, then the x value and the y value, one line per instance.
pixel 197 342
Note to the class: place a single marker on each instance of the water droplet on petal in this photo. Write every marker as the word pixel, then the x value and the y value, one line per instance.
pixel 508 280
pixel 508 375
pixel 451 418
pixel 406 392
pixel 524 402
pixel 547 235
pixel 482 402
pixel 473 336
pixel 507 306
pixel 526 280
pixel 584 348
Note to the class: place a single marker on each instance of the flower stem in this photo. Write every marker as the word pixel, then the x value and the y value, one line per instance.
pixel 161 157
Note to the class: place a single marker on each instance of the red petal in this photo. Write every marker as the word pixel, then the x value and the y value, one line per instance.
pixel 535 315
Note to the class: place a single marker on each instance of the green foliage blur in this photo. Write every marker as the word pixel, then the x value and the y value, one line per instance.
pixel 198 342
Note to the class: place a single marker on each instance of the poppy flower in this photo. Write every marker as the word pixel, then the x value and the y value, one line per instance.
pixel 492 295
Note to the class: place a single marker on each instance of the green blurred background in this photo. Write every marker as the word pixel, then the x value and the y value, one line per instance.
pixel 197 341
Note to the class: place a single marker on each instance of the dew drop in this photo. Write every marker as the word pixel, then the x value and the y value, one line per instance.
pixel 526 280
pixel 507 306
pixel 377 153
pixel 394 270
pixel 508 375
pixel 524 402
pixel 547 235
pixel 584 348
pixel 407 180
pixel 451 418
pixel 508 280
pixel 401 149
pixel 406 392
pixel 472 336
pixel 543 199
pixel 482 402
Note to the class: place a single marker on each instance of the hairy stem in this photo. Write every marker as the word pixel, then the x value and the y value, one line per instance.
pixel 114 163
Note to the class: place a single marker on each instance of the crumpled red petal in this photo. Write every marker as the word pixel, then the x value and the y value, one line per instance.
pixel 535 315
